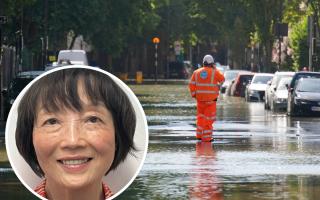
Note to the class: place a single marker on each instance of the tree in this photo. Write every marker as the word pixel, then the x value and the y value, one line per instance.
pixel 107 25
pixel 265 14
pixel 296 15
pixel 298 42
pixel 225 24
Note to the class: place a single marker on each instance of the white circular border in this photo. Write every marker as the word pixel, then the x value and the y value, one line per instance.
pixel 119 179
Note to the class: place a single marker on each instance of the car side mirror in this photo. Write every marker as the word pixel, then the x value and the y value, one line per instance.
pixel 290 90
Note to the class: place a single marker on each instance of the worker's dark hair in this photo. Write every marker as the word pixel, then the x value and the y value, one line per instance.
pixel 59 90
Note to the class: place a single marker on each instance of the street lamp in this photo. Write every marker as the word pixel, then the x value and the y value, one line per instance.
pixel 156 41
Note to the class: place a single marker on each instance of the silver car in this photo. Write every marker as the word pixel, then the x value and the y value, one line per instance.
pixel 280 97
pixel 272 85
pixel 255 91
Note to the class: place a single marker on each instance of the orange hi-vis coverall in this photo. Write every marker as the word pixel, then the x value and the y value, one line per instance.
pixel 204 86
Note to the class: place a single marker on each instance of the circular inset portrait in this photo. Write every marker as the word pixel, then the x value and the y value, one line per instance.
pixel 76 132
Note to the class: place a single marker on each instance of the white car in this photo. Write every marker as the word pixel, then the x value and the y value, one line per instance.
pixel 272 85
pixel 280 97
pixel 73 56
pixel 255 91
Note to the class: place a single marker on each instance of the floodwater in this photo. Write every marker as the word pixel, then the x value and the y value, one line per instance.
pixel 255 155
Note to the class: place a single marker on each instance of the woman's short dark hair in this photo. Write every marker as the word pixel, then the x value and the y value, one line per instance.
pixel 59 90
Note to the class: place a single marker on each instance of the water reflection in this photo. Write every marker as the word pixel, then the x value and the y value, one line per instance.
pixel 204 183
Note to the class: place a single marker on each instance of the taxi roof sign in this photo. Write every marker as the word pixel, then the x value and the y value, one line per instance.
pixel 155 40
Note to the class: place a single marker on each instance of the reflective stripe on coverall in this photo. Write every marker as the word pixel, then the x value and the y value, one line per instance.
pixel 204 86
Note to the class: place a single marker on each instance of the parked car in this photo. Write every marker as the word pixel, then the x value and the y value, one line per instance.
pixel 291 86
pixel 73 56
pixel 180 70
pixel 272 85
pixel 16 86
pixel 255 90
pixel 306 97
pixel 240 83
pixel 229 76
pixel 279 99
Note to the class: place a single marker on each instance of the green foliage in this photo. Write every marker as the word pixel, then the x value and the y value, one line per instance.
pixel 298 42
pixel 108 25
pixel 294 12
pixel 114 26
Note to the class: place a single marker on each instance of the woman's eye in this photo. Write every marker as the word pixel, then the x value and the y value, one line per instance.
pixel 51 121
pixel 93 119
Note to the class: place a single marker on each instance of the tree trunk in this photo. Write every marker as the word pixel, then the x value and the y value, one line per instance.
pixel 268 56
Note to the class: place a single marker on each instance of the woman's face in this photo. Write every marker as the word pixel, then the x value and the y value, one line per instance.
pixel 74 148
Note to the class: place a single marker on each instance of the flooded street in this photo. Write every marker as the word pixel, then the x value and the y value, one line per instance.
pixel 253 50
pixel 255 154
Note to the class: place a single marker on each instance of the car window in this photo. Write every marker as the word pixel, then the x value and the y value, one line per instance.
pixel 245 78
pixel 261 79
pixel 230 75
pixel 299 76
pixel 276 79
pixel 308 86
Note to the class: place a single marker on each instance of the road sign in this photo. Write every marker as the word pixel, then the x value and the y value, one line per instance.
pixel 3 19
pixel 281 29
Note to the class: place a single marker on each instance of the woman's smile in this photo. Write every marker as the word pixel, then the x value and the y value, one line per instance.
pixel 74 165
